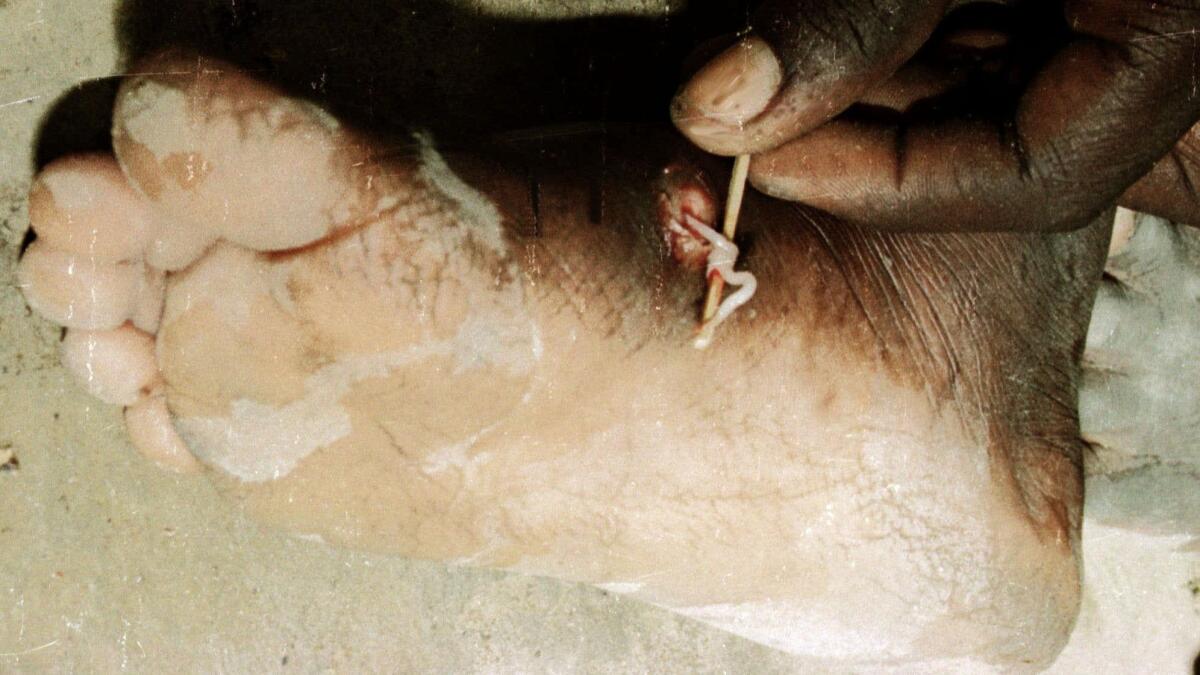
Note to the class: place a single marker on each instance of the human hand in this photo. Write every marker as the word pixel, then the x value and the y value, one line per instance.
pixel 1027 116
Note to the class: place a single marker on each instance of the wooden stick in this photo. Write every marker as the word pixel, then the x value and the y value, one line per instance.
pixel 733 207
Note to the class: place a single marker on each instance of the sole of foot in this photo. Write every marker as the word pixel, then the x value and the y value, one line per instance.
pixel 877 461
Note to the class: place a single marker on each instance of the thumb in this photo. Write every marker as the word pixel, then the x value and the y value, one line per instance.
pixel 804 62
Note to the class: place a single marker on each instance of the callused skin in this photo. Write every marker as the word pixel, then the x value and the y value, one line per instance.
pixel 876 461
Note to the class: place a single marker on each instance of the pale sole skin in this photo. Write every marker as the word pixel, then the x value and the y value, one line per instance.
pixel 877 461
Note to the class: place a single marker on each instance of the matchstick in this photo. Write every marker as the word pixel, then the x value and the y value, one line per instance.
pixel 733 207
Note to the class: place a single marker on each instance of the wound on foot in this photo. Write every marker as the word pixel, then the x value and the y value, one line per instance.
pixel 687 213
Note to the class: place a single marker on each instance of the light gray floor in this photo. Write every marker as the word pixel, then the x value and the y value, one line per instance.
pixel 107 564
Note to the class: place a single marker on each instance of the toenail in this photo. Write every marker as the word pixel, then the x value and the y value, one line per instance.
pixel 734 87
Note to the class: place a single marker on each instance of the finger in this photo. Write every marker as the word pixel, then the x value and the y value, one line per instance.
pixel 804 63
pixel 961 62
pixel 912 84
pixel 1170 189
pixel 1095 119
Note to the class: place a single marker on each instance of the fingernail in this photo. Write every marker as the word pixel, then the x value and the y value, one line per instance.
pixel 737 85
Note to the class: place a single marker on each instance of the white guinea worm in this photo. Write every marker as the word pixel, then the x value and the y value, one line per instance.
pixel 720 260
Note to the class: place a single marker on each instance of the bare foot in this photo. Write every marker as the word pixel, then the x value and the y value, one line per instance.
pixel 876 462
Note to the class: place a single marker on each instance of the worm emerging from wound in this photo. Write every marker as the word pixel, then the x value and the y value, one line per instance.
pixel 720 260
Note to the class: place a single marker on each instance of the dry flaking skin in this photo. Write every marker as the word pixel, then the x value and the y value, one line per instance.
pixel 877 464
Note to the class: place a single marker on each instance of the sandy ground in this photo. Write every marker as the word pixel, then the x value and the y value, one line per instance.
pixel 107 564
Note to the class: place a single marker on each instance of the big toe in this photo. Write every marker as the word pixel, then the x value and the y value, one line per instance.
pixel 222 154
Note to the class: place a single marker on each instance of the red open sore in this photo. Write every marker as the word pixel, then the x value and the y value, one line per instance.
pixel 684 192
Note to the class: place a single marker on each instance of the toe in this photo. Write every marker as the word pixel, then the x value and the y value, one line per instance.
pixel 115 366
pixel 83 205
pixel 216 150
pixel 153 434
pixel 76 291
pixel 148 302
pixel 174 246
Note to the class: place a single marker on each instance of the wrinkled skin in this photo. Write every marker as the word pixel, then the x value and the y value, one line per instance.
pixel 877 461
